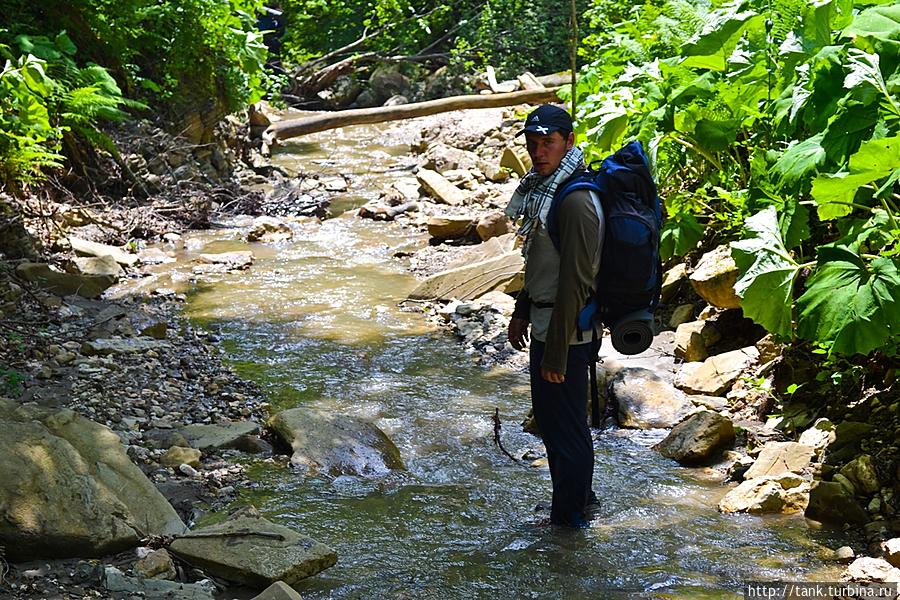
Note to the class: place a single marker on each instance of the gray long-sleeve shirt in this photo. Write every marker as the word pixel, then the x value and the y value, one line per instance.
pixel 565 278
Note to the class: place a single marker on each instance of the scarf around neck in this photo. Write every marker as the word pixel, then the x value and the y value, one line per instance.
pixel 532 197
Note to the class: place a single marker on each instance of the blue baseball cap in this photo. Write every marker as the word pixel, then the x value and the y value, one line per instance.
pixel 546 119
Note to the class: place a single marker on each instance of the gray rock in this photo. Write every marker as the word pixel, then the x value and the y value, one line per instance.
pixel 253 551
pixel 215 437
pixel 269 229
pixel 278 591
pixel 335 444
pixel 861 471
pixel 645 400
pixel 777 458
pixel 98 266
pixel 867 568
pixel 108 346
pixel 62 484
pixel 786 493
pixel 682 314
pixel 441 157
pixel 118 582
pixel 716 374
pixel 156 565
pixel 714 277
pixel 86 248
pixel 240 259
pixel 829 502
pixel 64 284
pixel 697 439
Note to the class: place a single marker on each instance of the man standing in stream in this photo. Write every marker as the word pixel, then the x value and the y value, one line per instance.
pixel 557 286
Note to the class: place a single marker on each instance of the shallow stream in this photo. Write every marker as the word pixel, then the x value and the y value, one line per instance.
pixel 316 322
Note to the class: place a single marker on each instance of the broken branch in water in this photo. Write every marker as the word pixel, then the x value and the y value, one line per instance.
pixel 497 426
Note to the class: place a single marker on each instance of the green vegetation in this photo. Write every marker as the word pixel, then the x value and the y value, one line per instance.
pixel 777 122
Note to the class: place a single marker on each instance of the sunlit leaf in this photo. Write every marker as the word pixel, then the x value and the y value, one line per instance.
pixel 851 305
pixel 711 48
pixel 679 235
pixel 767 273
pixel 800 160
pixel 876 159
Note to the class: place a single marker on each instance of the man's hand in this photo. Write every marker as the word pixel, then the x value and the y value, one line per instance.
pixel 552 376
pixel 518 333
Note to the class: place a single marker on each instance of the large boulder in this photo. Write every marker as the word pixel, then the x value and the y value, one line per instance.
pixel 693 339
pixel 278 591
pixel 386 81
pixel 866 568
pixel 697 439
pixel 252 551
pixel 787 493
pixel 99 266
pixel 123 586
pixel 861 472
pixel 493 225
pixel 335 444
pixel 64 284
pixel 495 271
pixel 440 157
pixel 645 400
pixel 215 437
pixel 714 277
pixel 69 489
pixel 716 374
pixel 87 248
pixel 449 227
pixel 778 458
pixel 830 502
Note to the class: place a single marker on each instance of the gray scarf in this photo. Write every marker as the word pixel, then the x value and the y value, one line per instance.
pixel 532 197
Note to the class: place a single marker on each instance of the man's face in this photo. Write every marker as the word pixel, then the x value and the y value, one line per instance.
pixel 547 151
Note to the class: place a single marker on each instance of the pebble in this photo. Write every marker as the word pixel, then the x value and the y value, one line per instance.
pixel 188 470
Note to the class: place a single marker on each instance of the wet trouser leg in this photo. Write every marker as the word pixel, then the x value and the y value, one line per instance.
pixel 561 413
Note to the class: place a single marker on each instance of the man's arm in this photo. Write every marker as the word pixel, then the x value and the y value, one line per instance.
pixel 580 238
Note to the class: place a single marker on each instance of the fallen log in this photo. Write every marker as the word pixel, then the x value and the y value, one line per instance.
pixel 289 128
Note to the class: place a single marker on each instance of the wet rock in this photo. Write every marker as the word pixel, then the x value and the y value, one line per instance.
pixel 154 256
pixel 697 439
pixel 269 230
pixel 86 248
pixel 716 374
pixel 64 284
pixel 493 225
pixel 278 591
pixel 156 565
pixel 786 493
pixel 844 554
pixel 892 551
pixel 448 227
pixel 397 100
pixel 109 346
pixel 861 471
pixel 164 439
pixel 778 458
pixel 672 281
pixel 335 444
pixel 216 437
pixel 253 551
pixel 240 259
pixel 645 400
pixel 118 582
pixel 334 183
pixel 439 188
pixel 867 568
pixel 714 277
pixel 62 488
pixel 830 502
pixel 178 455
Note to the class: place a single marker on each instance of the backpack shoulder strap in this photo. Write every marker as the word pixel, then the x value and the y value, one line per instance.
pixel 582 179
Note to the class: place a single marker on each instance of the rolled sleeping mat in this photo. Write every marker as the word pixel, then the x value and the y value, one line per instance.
pixel 633 333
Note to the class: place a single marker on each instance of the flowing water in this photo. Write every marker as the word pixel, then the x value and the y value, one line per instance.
pixel 316 322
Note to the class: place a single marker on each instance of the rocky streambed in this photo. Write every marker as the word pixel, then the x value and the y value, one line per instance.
pixel 371 433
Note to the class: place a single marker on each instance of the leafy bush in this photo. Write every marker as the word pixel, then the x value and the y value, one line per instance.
pixel 764 111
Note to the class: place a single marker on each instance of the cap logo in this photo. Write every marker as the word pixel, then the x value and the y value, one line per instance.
pixel 541 130
pixel 535 118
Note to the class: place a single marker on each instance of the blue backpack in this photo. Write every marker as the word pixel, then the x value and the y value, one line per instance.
pixel 630 276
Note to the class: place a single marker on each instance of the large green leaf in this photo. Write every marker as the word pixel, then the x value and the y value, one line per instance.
pixel 851 305
pixel 711 48
pixel 679 235
pixel 853 123
pixel 716 135
pixel 800 160
pixel 766 283
pixel 881 23
pixel 876 159
pixel 866 235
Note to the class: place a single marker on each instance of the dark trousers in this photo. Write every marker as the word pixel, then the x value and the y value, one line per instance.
pixel 561 413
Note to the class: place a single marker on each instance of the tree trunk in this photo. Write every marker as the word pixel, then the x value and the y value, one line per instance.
pixel 289 128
